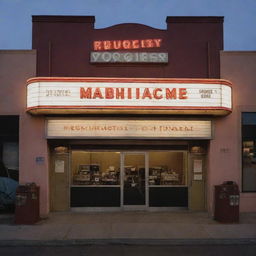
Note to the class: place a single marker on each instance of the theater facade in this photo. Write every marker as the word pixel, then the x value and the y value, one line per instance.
pixel 130 117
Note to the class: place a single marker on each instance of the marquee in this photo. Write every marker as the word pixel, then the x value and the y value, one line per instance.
pixel 49 95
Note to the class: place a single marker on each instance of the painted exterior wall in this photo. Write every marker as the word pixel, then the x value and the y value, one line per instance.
pixel 15 68
pixel 64 44
pixel 225 162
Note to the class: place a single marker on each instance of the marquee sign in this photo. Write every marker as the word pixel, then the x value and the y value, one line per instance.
pixel 128 128
pixel 121 51
pixel 126 95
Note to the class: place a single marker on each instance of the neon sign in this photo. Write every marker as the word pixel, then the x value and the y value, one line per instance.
pixel 107 45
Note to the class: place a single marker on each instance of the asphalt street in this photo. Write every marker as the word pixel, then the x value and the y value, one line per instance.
pixel 125 250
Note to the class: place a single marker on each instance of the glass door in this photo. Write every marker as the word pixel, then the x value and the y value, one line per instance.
pixel 134 191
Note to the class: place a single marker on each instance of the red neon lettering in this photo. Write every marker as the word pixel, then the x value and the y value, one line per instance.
pixel 97 45
pixel 129 93
pixel 149 43
pixel 183 93
pixel 135 44
pixel 171 94
pixel 137 93
pixel 157 42
pixel 109 93
pixel 97 93
pixel 117 44
pixel 158 97
pixel 119 93
pixel 146 94
pixel 142 42
pixel 107 45
pixel 87 94
pixel 126 44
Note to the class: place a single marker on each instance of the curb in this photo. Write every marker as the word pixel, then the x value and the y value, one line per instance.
pixel 135 242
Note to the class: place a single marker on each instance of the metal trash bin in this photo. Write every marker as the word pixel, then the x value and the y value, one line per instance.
pixel 27 204
pixel 227 202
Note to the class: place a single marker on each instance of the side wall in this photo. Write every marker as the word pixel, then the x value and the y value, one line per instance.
pixel 15 68
pixel 225 149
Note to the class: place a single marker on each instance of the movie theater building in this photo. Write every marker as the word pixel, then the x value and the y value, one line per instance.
pixel 131 117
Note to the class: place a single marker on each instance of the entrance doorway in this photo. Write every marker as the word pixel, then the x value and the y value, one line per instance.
pixel 133 175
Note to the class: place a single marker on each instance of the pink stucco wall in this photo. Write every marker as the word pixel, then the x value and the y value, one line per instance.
pixel 225 149
pixel 16 67
pixel 33 144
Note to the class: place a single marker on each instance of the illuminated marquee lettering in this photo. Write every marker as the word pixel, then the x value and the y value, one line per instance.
pixel 126 44
pixel 133 93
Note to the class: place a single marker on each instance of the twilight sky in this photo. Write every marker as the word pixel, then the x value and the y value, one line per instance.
pixel 239 16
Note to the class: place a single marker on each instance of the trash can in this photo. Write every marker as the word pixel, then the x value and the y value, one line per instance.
pixel 27 204
pixel 227 202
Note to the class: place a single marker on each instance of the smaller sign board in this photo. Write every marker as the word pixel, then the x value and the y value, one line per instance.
pixel 129 57
pixel 198 177
pixel 128 128
pixel 40 160
pixel 59 166
pixel 198 166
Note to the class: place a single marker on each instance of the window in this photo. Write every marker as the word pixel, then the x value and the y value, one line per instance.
pixel 11 155
pixel 249 152
pixel 167 168
pixel 95 168
pixel 9 147
pixel 10 158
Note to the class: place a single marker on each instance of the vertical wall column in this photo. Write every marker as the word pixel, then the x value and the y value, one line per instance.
pixel 34 157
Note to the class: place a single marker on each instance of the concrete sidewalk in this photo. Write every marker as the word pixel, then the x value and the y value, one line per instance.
pixel 128 227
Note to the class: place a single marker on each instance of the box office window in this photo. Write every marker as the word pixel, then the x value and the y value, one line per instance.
pixel 95 168
pixel 249 152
